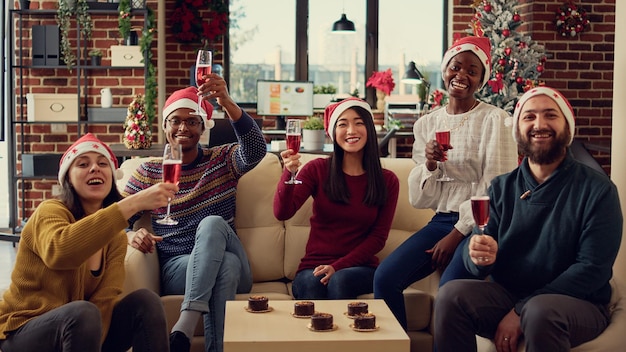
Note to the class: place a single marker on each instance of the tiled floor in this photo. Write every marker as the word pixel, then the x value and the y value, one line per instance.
pixel 7 259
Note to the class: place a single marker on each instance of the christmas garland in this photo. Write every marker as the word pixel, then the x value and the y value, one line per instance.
pixel 571 20
pixel 190 27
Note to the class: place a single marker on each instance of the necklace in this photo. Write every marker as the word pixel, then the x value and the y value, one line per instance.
pixel 465 118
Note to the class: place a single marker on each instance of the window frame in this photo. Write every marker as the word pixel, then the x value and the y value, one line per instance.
pixel 302 44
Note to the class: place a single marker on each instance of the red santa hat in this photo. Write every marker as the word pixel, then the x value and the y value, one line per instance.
pixel 333 111
pixel 85 144
pixel 553 94
pixel 188 98
pixel 481 46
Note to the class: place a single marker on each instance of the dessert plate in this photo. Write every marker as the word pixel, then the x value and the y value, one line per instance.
pixel 300 316
pixel 353 316
pixel 335 327
pixel 258 311
pixel 363 330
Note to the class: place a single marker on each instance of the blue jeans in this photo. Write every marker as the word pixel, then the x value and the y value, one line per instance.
pixel 138 321
pixel 344 284
pixel 410 262
pixel 213 273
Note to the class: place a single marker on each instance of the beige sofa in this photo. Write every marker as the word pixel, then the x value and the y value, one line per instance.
pixel 275 248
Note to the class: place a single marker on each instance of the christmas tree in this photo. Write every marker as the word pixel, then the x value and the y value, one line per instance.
pixel 137 126
pixel 517 60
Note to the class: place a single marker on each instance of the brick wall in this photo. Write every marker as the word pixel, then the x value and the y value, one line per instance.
pixel 581 67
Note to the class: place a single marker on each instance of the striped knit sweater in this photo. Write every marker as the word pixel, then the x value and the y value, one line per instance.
pixel 207 186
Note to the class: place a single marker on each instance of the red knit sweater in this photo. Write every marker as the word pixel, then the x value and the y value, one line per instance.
pixel 342 235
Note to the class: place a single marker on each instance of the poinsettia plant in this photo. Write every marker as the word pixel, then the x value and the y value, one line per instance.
pixel 382 80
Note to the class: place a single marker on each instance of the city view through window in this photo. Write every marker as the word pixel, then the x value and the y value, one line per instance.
pixel 262 46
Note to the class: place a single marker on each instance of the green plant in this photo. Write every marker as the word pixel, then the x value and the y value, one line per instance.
pixel 66 9
pixel 95 52
pixel 327 89
pixel 145 44
pixel 313 123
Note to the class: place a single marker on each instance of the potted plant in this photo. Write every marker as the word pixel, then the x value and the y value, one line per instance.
pixel 96 57
pixel 313 134
pixel 322 95
pixel 66 9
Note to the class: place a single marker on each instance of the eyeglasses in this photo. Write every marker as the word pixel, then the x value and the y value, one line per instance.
pixel 191 123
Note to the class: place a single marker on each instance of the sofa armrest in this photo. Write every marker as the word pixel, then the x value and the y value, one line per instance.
pixel 142 271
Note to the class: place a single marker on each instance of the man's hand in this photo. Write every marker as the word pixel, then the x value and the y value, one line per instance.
pixel 508 333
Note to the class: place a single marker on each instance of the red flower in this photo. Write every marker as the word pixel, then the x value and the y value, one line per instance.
pixel 382 80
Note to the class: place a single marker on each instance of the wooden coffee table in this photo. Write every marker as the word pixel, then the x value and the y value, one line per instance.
pixel 278 330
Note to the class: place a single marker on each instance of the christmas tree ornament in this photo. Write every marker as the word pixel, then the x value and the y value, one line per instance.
pixel 137 126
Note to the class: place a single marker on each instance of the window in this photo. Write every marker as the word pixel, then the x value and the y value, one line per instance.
pixel 292 40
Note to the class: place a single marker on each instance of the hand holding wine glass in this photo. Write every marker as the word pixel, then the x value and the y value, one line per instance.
pixel 172 164
pixel 204 63
pixel 293 136
pixel 480 211
pixel 443 138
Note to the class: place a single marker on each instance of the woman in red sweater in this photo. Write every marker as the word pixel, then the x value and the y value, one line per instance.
pixel 66 286
pixel 354 200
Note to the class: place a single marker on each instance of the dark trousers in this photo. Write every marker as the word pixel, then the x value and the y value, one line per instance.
pixel 138 321
pixel 549 322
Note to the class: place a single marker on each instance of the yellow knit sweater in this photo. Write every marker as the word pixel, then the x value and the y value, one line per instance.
pixel 50 267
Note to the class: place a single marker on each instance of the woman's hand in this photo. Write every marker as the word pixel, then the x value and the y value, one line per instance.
pixel 443 250
pixel 143 240
pixel 435 152
pixel 291 160
pixel 153 197
pixel 326 270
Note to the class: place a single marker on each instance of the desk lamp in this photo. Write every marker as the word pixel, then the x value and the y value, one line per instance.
pixel 414 76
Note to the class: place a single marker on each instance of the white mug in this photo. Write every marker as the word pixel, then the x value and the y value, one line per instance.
pixel 106 99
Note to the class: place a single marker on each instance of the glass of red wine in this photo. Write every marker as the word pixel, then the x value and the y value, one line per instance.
pixel 204 62
pixel 443 138
pixel 293 136
pixel 480 210
pixel 172 164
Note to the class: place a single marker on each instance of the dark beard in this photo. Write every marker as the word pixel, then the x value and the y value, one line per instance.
pixel 544 156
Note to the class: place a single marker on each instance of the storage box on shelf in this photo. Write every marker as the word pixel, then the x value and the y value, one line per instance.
pixel 126 55
pixel 52 107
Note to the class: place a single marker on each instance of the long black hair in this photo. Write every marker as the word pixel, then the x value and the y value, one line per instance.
pixel 336 188
pixel 70 198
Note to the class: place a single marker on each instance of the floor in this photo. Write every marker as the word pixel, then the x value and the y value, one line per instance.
pixel 7 259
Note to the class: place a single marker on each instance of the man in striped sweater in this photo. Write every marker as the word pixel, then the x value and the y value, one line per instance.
pixel 202 256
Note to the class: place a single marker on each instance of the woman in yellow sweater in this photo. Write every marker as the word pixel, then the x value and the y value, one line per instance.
pixel 66 287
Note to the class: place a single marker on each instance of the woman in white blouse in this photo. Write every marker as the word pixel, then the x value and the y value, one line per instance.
pixel 481 147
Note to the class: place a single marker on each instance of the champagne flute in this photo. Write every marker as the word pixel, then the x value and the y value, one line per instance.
pixel 204 64
pixel 480 211
pixel 172 164
pixel 293 134
pixel 443 138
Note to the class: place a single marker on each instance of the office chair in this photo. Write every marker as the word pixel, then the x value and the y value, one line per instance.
pixel 383 144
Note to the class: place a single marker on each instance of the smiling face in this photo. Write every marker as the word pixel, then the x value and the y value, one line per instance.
pixel 91 177
pixel 463 75
pixel 185 129
pixel 351 132
pixel 543 132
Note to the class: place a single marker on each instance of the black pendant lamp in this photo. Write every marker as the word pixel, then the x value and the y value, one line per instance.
pixel 343 25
